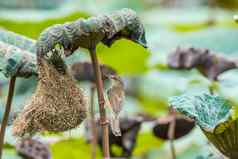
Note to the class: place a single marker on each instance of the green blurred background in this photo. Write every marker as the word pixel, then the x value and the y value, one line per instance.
pixel 168 24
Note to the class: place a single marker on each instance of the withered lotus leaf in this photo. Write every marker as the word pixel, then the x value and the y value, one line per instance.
pixel 87 33
pixel 208 63
pixel 83 71
pixel 32 149
pixel 130 128
pixel 183 126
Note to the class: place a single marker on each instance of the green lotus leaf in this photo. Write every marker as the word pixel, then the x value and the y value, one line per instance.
pixel 17 40
pixel 71 148
pixel 128 51
pixel 212 113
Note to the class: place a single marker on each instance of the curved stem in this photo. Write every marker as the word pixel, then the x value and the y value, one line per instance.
pixel 103 119
pixel 93 123
pixel 7 112
pixel 171 134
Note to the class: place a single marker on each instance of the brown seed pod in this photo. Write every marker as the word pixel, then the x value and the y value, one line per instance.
pixel 57 105
pixel 182 127
pixel 32 149
pixel 208 63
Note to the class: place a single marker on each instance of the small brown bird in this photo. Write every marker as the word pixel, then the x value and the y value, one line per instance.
pixel 116 96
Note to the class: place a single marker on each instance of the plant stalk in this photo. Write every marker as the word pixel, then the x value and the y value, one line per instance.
pixel 103 119
pixel 212 12
pixel 93 123
pixel 7 112
pixel 211 88
pixel 171 134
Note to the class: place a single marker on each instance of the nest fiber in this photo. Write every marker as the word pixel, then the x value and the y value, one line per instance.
pixel 57 105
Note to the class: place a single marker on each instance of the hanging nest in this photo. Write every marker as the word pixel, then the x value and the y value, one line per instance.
pixel 57 105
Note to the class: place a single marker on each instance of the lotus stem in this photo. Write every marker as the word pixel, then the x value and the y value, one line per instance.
pixel 103 119
pixel 93 123
pixel 171 134
pixel 7 112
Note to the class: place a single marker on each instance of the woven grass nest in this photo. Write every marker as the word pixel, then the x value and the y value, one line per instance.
pixel 57 105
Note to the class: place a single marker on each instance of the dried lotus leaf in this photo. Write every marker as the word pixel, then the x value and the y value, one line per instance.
pixel 210 64
pixel 33 149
